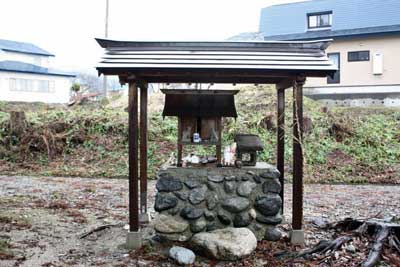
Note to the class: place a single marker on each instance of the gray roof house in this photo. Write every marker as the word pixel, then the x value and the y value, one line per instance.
pixel 366 46
pixel 26 74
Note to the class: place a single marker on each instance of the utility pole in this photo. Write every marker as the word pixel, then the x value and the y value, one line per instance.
pixel 106 36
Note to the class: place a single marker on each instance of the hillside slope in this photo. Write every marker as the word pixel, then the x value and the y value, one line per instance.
pixel 345 145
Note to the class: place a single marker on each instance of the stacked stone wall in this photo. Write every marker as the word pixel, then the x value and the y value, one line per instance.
pixel 192 200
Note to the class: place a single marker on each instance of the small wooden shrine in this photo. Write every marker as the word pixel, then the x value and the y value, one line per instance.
pixel 285 64
pixel 200 114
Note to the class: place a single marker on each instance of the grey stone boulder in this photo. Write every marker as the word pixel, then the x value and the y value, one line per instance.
pixel 211 226
pixel 235 204
pixel 272 234
pixel 242 219
pixel 272 186
pixel 246 177
pixel 198 225
pixel 181 195
pixel 210 216
pixel 165 202
pixel 229 186
pixel 268 205
pixel 198 195
pixel 169 225
pixel 245 188
pixel 224 218
pixel 212 186
pixel 174 211
pixel 190 213
pixel 215 178
pixel 192 184
pixel 257 179
pixel 258 230
pixel 182 255
pixel 168 184
pixel 212 201
pixel 226 244
pixel 271 173
pixel 272 220
pixel 230 178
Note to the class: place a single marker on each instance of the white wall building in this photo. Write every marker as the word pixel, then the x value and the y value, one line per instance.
pixel 26 76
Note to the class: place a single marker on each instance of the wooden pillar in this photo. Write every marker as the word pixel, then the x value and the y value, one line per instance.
pixel 218 147
pixel 180 146
pixel 143 147
pixel 297 219
pixel 280 162
pixel 133 157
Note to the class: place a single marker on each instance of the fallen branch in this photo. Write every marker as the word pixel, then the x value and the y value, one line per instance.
pixel 385 233
pixel 325 245
pixel 375 253
pixel 98 229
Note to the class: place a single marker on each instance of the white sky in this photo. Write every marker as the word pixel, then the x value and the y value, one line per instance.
pixel 67 28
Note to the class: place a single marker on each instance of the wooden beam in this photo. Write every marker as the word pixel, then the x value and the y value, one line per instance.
pixel 297 219
pixel 280 162
pixel 285 84
pixel 133 157
pixel 143 147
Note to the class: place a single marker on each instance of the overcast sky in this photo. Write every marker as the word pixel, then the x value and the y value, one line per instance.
pixel 67 28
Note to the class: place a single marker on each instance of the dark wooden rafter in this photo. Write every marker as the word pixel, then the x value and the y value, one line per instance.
pixel 143 146
pixel 133 127
pixel 208 76
pixel 297 220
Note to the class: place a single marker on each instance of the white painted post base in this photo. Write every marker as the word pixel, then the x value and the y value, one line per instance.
pixel 144 217
pixel 133 240
pixel 297 237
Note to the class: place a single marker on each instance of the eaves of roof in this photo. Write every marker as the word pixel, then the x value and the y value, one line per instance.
pixel 339 34
pixel 21 67
pixel 22 47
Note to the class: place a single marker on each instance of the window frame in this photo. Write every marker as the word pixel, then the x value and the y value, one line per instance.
pixel 330 80
pixel 358 59
pixel 318 14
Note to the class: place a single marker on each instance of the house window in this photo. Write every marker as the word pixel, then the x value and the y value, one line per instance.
pixel 335 58
pixel 29 85
pixel 320 20
pixel 358 56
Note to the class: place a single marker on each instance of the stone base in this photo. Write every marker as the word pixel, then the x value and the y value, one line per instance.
pixel 133 240
pixel 195 199
pixel 297 237
pixel 144 217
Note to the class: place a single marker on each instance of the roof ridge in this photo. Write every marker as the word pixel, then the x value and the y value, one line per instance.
pixel 22 47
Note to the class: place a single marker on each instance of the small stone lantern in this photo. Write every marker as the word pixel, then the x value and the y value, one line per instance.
pixel 248 144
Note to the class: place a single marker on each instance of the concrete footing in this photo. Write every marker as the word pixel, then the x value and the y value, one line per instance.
pixel 297 237
pixel 144 217
pixel 133 240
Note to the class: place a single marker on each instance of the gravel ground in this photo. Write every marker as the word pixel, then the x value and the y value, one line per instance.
pixel 42 218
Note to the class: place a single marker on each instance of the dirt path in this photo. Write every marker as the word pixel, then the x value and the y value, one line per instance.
pixel 41 219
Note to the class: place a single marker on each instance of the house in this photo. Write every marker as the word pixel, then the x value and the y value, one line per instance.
pixel 366 46
pixel 26 76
